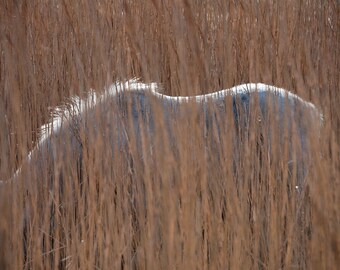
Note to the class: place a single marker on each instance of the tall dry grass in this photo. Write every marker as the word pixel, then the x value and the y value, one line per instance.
pixel 181 206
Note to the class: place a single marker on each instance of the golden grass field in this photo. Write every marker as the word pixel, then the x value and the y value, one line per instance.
pixel 186 210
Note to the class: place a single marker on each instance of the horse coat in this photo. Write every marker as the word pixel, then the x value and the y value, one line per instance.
pixel 119 116
pixel 131 118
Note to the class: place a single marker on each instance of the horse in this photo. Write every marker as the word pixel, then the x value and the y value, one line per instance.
pixel 81 120
pixel 131 119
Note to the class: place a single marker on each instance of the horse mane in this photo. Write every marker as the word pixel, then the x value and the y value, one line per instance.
pixel 76 106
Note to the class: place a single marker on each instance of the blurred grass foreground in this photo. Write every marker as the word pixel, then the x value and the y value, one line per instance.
pixel 176 202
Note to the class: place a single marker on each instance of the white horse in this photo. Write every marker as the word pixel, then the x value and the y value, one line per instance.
pixel 75 120
pixel 118 119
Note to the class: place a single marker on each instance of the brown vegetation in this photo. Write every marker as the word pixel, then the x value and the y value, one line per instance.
pixel 181 209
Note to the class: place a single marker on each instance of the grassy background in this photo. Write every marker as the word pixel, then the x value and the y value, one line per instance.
pixel 51 50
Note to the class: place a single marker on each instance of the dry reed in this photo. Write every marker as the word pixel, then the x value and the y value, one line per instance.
pixel 181 206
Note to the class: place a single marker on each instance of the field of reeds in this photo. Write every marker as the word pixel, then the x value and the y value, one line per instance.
pixel 183 206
